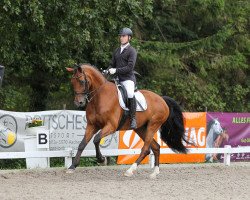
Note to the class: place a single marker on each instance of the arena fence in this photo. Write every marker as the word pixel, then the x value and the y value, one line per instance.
pixel 68 154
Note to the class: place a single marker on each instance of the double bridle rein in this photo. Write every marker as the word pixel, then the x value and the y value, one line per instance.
pixel 86 93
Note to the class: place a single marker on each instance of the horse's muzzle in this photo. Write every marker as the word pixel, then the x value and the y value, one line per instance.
pixel 80 104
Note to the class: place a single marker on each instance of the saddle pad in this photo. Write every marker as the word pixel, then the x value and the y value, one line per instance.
pixel 139 98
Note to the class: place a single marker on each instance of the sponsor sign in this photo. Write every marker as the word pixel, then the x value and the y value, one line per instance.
pixel 231 129
pixel 66 130
pixel 195 130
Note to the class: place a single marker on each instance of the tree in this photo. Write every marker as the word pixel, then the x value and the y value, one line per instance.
pixel 198 52
pixel 41 38
pixel 195 51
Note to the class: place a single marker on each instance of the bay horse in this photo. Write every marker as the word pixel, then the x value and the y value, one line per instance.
pixel 104 113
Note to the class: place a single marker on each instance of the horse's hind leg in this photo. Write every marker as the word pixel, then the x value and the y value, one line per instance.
pixel 141 132
pixel 156 150
pixel 147 136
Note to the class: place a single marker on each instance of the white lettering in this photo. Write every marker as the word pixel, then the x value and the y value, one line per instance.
pixel 201 137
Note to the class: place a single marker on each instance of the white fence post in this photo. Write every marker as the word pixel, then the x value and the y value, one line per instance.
pixel 227 156
pixel 68 159
pixel 151 159
pixel 32 144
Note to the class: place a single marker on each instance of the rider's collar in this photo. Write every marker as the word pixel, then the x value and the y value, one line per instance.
pixel 123 46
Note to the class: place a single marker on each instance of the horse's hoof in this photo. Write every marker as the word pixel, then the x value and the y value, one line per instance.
pixel 128 174
pixel 153 176
pixel 70 171
pixel 155 173
pixel 104 163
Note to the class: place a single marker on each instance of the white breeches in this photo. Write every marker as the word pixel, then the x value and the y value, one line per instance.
pixel 130 87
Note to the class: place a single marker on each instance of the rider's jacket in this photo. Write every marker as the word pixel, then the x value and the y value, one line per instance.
pixel 124 63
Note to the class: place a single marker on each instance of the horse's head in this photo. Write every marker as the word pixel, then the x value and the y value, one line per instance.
pixel 80 85
pixel 217 127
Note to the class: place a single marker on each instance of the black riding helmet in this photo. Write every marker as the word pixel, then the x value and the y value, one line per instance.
pixel 126 31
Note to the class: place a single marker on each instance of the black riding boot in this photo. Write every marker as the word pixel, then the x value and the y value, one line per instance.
pixel 132 110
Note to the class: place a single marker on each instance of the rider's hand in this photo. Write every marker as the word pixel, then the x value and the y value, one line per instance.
pixel 112 70
pixel 105 72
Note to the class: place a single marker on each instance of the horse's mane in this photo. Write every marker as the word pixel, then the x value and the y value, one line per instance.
pixel 209 125
pixel 89 65
pixel 92 68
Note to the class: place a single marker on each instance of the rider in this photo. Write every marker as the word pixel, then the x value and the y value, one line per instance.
pixel 122 64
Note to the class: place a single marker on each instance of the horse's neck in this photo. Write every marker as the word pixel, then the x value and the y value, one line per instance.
pixel 97 81
pixel 99 97
pixel 210 132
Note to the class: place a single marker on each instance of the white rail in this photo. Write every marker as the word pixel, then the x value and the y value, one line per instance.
pixel 69 153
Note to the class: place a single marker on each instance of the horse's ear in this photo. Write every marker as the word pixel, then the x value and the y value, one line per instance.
pixel 69 69
pixel 79 69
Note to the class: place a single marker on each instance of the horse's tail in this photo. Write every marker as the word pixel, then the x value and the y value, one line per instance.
pixel 172 131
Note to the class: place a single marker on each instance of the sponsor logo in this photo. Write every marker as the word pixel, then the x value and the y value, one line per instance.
pixel 8 130
pixel 130 139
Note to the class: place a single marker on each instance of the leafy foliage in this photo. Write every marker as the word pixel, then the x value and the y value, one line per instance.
pixel 195 51
pixel 205 65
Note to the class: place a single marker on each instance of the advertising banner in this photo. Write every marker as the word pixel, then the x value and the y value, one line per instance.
pixel 66 130
pixel 228 129
pixel 195 130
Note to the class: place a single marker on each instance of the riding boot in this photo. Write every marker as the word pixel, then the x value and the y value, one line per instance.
pixel 132 110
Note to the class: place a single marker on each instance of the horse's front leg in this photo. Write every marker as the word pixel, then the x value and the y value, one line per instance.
pixel 100 159
pixel 101 134
pixel 90 131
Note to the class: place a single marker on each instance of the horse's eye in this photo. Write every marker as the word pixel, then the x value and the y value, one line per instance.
pixel 82 81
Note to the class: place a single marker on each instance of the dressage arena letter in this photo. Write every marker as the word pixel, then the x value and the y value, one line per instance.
pixel 42 140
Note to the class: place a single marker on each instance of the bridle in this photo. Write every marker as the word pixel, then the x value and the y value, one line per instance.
pixel 86 93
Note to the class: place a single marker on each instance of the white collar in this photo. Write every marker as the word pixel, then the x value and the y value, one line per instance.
pixel 125 45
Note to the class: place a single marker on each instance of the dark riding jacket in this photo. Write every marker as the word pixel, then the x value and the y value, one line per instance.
pixel 124 63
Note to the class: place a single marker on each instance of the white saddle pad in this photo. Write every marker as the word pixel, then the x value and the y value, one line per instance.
pixel 139 98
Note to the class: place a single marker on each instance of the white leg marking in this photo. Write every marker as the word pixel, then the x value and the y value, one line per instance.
pixel 131 170
pixel 155 172
pixel 70 171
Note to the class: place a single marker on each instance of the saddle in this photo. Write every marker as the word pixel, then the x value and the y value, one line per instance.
pixel 141 104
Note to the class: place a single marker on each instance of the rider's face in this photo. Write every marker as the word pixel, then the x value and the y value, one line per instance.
pixel 124 39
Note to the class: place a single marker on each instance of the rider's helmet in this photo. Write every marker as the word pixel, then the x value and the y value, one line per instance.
pixel 126 31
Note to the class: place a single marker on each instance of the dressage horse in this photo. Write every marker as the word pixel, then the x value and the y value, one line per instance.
pixel 104 113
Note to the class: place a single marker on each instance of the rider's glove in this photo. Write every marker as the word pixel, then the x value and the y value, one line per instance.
pixel 112 70
pixel 105 72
